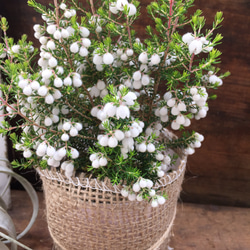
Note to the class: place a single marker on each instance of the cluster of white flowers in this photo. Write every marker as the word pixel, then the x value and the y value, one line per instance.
pixel 196 45
pixel 196 144
pixel 96 91
pixel 138 189
pixel 120 5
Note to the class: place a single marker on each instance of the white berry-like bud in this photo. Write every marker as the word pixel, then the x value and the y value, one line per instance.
pixel 154 203
pixel 167 96
pixel 50 151
pixel 83 52
pixel 27 90
pixel 149 183
pixel 124 192
pixel 180 119
pixel 95 163
pixel 49 99
pixel 47 73
pixel 77 82
pixel 161 200
pixel 27 153
pixel 41 149
pixel 93 157
pixel 84 31
pixel 119 135
pixel 175 125
pixel 132 9
pixel 108 58
pixel 193 91
pixel 145 80
pixel 132 196
pixel 35 85
pixel 73 132
pixel 136 187
pixel 139 197
pixel 155 59
pixel 42 91
pixel 97 59
pixel 195 47
pixel 58 82
pixel 160 173
pixel 159 157
pixel 171 102
pixel 142 147
pixel 52 62
pixel 143 183
pixel 67 126
pixel 112 142
pixel 137 75
pixel 51 29
pixel 150 147
pixel 143 57
pixel 57 35
pixel 67 81
pixel 152 192
pixel 182 106
pixel 129 52
pixel 187 38
pixel 175 110
pixel 74 47
pixel 103 161
pixel 48 121
pixel 74 153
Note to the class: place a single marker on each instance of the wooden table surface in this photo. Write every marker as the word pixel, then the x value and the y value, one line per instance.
pixel 199 227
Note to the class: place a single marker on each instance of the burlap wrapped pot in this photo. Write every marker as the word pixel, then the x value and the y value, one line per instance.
pixel 85 213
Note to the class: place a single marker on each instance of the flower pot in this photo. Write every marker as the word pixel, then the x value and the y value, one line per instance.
pixel 85 213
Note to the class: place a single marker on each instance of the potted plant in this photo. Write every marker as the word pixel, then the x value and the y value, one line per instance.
pixel 97 110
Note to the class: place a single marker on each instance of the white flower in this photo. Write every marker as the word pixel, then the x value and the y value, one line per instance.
pixel 120 4
pixel 155 59
pixel 27 153
pixel 113 8
pixel 41 149
pixel 64 137
pixel 154 203
pixel 129 98
pixel 49 99
pixel 175 125
pixel 58 82
pixel 67 81
pixel 42 91
pixel 97 59
pixel 152 192
pixel 103 161
pixel 74 47
pixel 119 135
pixel 74 153
pixel 73 132
pixel 143 183
pixel 83 52
pixel 124 192
pixel 122 112
pixel 112 142
pixel 136 187
pixel 132 196
pixel 84 31
pixel 143 57
pixel 57 34
pixel 188 38
pixel 150 147
pixel 51 29
pixel 132 9
pixel 195 47
pixel 108 58
pixel 137 75
pixel 161 200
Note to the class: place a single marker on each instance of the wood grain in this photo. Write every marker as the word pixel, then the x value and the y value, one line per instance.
pixel 219 172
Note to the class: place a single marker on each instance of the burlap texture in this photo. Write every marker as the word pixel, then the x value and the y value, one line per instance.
pixel 92 215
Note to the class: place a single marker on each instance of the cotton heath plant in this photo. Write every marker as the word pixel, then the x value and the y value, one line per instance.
pixel 95 98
